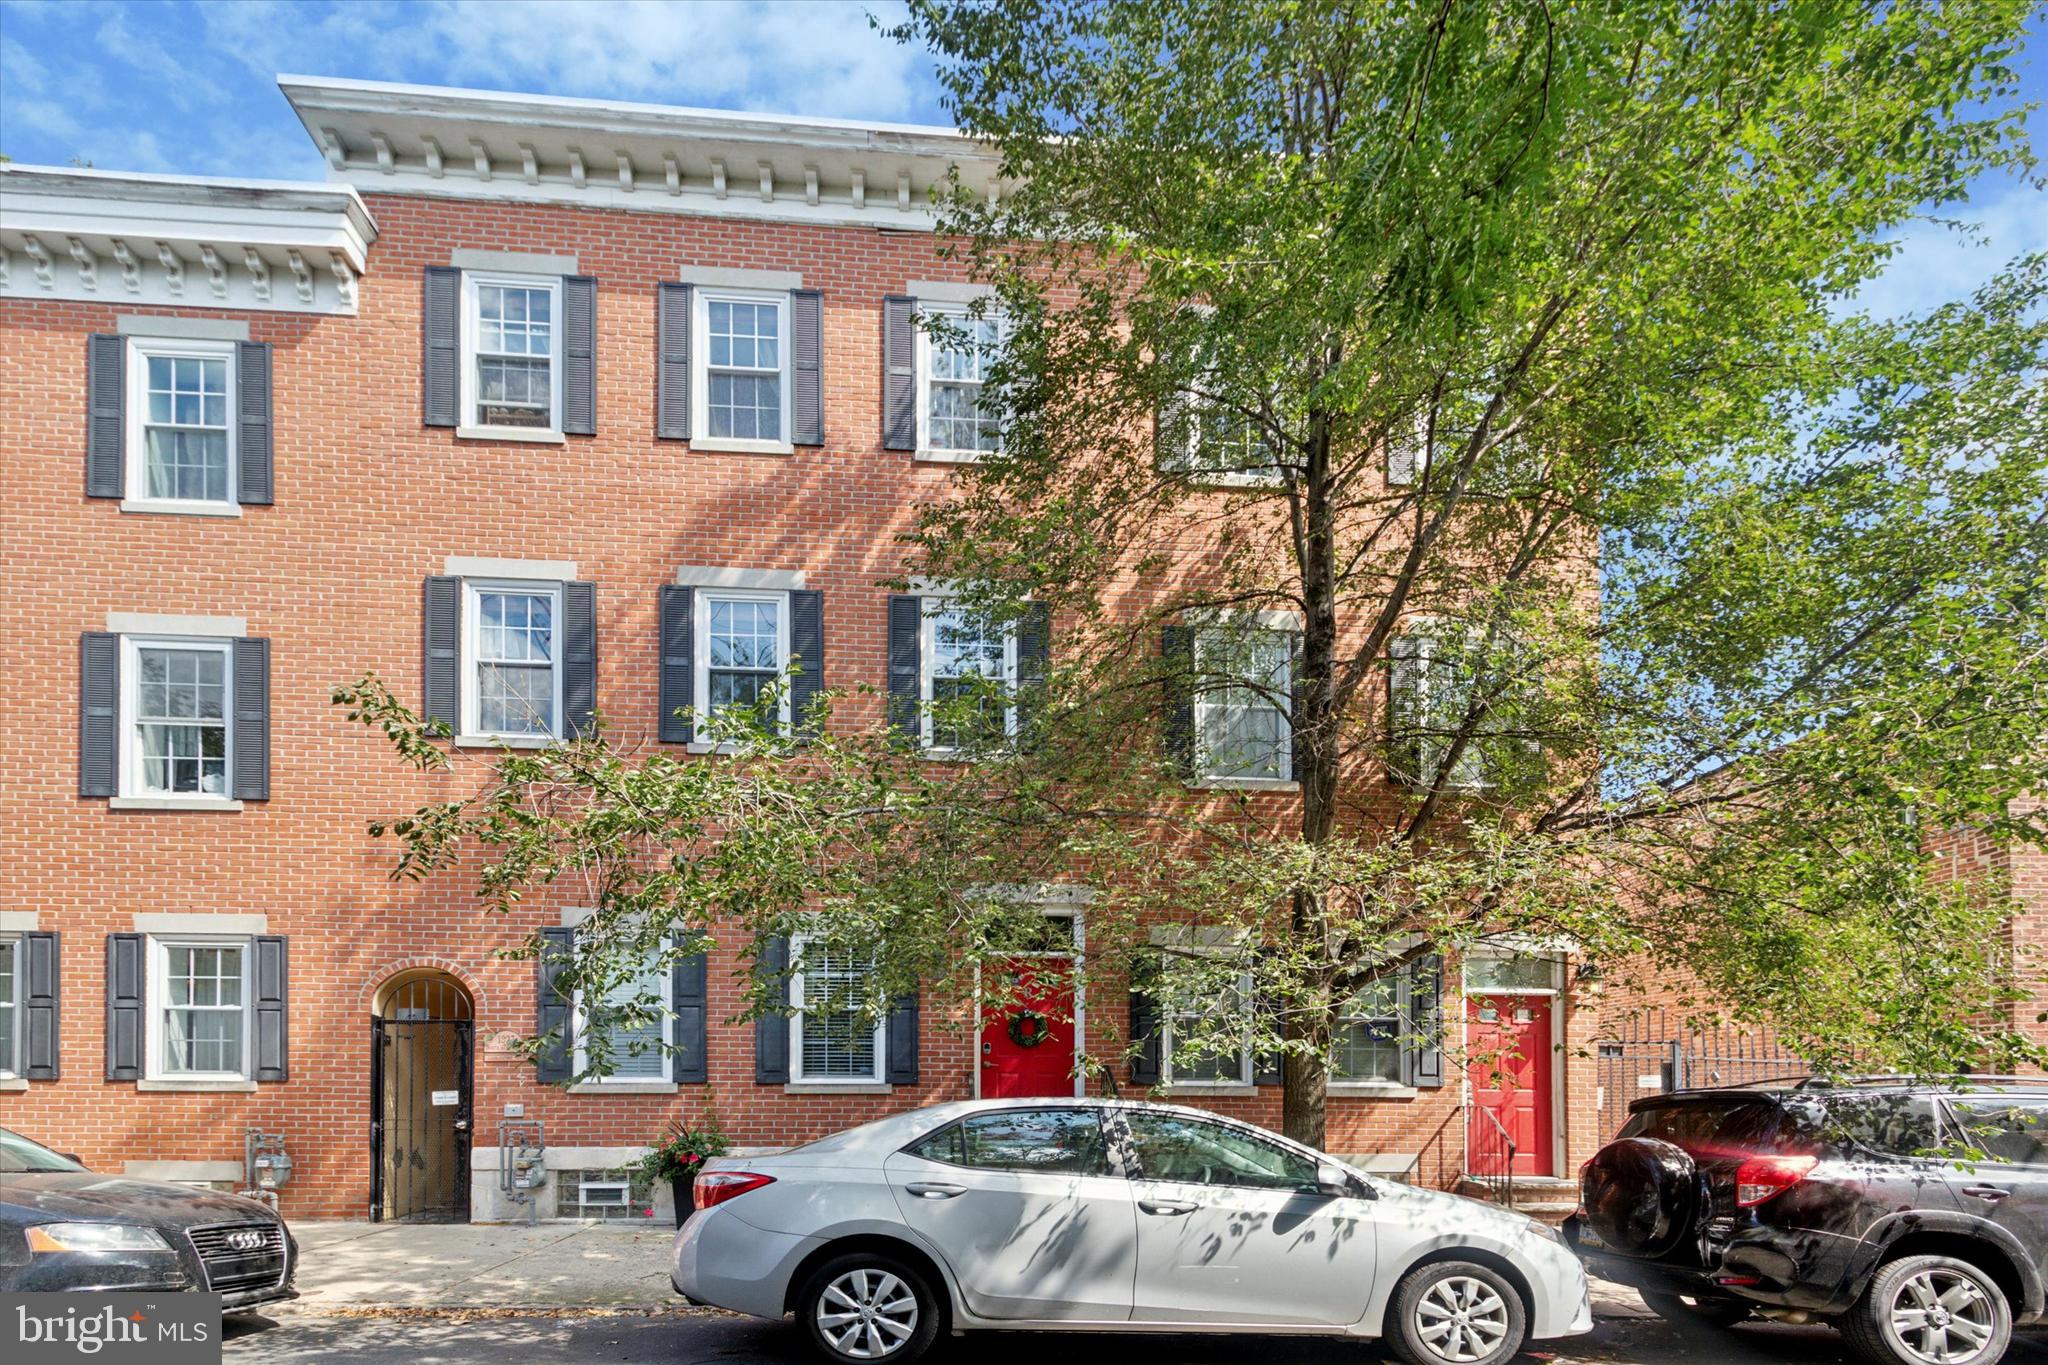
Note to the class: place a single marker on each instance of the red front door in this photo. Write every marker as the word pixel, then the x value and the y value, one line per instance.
pixel 1027 1030
pixel 1508 1037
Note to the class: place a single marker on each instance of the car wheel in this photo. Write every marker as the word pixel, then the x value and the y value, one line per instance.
pixel 868 1306
pixel 1456 1313
pixel 1695 1310
pixel 1929 1310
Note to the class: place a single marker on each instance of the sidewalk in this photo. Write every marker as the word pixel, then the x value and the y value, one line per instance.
pixel 463 1265
pixel 616 1266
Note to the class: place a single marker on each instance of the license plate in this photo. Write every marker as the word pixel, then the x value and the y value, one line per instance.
pixel 1589 1238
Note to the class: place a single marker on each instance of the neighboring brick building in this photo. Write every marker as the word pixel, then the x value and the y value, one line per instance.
pixel 538 401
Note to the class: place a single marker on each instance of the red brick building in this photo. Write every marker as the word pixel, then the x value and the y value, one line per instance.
pixel 537 405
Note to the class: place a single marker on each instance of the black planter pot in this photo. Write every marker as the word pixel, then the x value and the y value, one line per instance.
pixel 681 1185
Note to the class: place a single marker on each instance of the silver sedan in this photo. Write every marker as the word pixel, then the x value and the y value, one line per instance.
pixel 1100 1216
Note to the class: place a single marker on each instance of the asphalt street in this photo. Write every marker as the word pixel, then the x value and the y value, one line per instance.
pixel 678 1337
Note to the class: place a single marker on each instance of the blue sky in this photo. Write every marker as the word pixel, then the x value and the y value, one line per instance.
pixel 187 86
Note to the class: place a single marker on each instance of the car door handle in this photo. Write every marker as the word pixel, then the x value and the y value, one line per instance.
pixel 933 1189
pixel 1165 1208
pixel 1989 1193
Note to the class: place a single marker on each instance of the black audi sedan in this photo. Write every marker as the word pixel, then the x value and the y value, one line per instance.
pixel 63 1227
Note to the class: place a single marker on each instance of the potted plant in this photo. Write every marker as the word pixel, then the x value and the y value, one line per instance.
pixel 679 1154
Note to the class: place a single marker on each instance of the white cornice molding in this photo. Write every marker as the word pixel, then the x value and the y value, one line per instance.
pixel 388 139
pixel 184 240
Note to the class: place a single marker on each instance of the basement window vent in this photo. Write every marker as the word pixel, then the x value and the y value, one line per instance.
pixel 605 1196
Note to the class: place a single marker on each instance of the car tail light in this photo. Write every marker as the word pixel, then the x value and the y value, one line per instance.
pixel 1760 1178
pixel 715 1187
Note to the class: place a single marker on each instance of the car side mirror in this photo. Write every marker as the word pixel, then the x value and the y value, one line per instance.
pixel 1335 1181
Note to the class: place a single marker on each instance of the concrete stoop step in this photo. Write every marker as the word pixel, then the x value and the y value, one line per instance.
pixel 1548 1198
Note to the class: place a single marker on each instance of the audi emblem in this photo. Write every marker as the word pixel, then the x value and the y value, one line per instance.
pixel 246 1241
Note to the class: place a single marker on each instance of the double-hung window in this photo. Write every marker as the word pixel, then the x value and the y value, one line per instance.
pixel 1368 1041
pixel 199 1025
pixel 181 434
pixel 637 1050
pixel 1435 671
pixel 512 366
pixel 11 956
pixel 956 418
pixel 177 740
pixel 743 650
pixel 743 387
pixel 832 1038
pixel 1206 1038
pixel 512 676
pixel 969 680
pixel 1242 721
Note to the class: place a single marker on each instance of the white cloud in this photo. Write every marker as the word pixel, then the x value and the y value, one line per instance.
pixel 1936 262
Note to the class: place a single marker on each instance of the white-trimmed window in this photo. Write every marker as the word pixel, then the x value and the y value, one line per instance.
pixel 1435 670
pixel 512 352
pixel 953 363
pixel 11 971
pixel 831 1039
pixel 742 648
pixel 1198 999
pixel 638 1052
pixel 199 990
pixel 742 386
pixel 1243 728
pixel 181 429
pixel 512 659
pixel 1368 1038
pixel 177 700
pixel 970 677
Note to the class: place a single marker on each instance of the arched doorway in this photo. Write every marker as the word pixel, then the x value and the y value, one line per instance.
pixel 422 1040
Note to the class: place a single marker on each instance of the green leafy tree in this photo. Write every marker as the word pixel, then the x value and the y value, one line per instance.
pixel 1471 386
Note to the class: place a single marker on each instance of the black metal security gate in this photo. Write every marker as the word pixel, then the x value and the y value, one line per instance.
pixel 420 1119
pixel 1657 1051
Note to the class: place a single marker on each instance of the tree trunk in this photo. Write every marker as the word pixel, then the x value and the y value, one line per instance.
pixel 1310 1015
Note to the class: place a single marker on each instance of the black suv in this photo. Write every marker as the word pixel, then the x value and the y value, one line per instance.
pixel 1912 1216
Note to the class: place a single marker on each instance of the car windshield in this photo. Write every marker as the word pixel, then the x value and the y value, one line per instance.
pixel 18 1156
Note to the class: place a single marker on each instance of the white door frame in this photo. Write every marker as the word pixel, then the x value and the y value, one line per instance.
pixel 1559 962
pixel 1063 903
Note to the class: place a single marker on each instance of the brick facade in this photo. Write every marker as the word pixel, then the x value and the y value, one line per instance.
pixel 368 503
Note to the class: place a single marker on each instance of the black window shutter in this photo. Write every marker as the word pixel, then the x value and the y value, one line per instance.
pixel 807 643
pixel 441 359
pixel 106 401
pixel 252 720
pixel 253 483
pixel 441 622
pixel 1034 653
pixel 579 355
pixel 125 1003
pixel 806 367
pixel 678 665
pixel 672 368
pixel 579 655
pixel 906 683
pixel 1144 1023
pixel 1266 1063
pixel 1178 650
pixel 1422 1051
pixel 42 959
pixel 900 1037
pixel 899 373
pixel 552 1014
pixel 99 718
pixel 687 997
pixel 1173 432
pixel 771 1030
pixel 1297 706
pixel 272 981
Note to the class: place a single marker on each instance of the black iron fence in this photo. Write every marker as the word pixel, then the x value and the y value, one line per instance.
pixel 1659 1050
